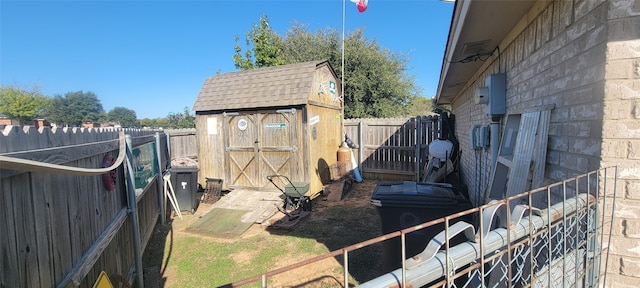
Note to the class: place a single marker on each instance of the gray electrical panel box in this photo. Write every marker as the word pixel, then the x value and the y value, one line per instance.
pixel 496 88
pixel 479 137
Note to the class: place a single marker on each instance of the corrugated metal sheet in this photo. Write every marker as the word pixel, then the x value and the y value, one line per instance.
pixel 283 85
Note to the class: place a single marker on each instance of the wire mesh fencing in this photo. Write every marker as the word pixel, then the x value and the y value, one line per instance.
pixel 553 236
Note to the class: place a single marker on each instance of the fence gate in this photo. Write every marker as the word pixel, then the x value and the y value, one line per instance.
pixel 396 148
pixel 257 145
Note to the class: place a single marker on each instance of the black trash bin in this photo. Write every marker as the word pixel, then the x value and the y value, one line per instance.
pixel 405 204
pixel 184 180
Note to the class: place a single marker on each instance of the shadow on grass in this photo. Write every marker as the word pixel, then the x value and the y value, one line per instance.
pixel 152 259
pixel 335 225
pixel 338 225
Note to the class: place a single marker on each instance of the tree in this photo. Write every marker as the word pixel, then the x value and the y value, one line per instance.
pixel 123 116
pixel 264 47
pixel 376 83
pixel 420 106
pixel 75 108
pixel 187 121
pixel 21 104
pixel 148 123
pixel 154 123
pixel 301 45
pixel 180 120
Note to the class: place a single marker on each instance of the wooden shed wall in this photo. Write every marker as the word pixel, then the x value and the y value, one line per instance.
pixel 323 147
pixel 243 158
pixel 210 147
pixel 311 158
pixel 323 116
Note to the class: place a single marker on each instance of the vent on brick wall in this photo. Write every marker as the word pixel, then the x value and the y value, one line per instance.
pixel 475 48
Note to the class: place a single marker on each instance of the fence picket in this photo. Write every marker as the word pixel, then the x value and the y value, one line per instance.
pixel 393 149
pixel 51 220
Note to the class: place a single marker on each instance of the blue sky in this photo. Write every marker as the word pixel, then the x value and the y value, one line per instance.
pixel 153 56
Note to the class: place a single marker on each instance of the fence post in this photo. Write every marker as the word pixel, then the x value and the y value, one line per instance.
pixel 133 209
pixel 168 147
pixel 160 180
pixel 361 146
pixel 418 147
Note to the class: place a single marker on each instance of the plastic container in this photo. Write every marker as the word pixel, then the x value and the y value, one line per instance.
pixel 344 153
pixel 344 159
pixel 184 180
pixel 297 189
pixel 405 204
pixel 440 149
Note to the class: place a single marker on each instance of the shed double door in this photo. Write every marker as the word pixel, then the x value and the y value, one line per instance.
pixel 260 144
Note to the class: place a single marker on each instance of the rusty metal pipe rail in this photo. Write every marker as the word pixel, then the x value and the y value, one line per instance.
pixel 344 251
pixel 314 259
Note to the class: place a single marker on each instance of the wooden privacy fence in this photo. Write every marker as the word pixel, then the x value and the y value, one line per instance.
pixel 61 225
pixel 183 143
pixel 388 148
pixel 395 149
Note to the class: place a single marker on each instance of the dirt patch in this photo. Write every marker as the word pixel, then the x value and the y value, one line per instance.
pixel 244 257
pixel 331 225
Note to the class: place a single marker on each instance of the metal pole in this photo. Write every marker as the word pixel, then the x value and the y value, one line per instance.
pixel 133 209
pixel 403 239
pixel 613 209
pixel 564 233
pixel 345 254
pixel 418 147
pixel 159 180
pixel 342 75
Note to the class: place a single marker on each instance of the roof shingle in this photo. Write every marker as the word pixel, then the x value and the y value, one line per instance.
pixel 284 85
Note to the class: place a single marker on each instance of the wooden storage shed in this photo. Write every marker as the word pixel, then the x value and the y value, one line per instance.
pixel 283 120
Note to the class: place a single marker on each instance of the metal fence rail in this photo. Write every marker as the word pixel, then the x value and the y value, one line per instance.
pixel 549 237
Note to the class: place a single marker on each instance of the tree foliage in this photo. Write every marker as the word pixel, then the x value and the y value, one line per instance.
pixel 301 45
pixel 263 47
pixel 181 120
pixel 376 84
pixel 154 123
pixel 376 81
pixel 22 105
pixel 75 108
pixel 173 120
pixel 420 106
pixel 123 116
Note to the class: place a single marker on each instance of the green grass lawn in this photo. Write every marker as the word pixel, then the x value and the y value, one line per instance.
pixel 190 260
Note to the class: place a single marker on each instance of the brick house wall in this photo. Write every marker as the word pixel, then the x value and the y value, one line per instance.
pixel 583 56
pixel 621 136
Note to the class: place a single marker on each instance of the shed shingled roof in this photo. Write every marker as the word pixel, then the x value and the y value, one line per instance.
pixel 275 86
